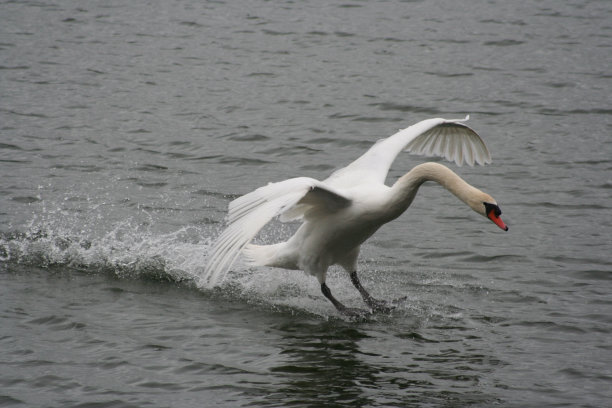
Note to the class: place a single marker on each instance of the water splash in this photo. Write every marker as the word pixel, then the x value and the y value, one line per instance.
pixel 126 250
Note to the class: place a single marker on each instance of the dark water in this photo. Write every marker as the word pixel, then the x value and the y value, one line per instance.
pixel 127 127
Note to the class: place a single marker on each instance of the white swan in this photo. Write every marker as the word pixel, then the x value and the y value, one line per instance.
pixel 341 212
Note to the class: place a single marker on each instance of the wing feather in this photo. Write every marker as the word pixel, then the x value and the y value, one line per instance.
pixel 248 214
pixel 468 147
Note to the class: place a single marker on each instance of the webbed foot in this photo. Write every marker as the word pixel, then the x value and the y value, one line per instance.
pixel 379 306
pixel 355 312
pixel 347 311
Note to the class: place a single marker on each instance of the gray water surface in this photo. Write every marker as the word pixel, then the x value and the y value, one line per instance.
pixel 127 127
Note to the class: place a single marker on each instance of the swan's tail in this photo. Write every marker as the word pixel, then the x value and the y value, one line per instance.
pixel 263 255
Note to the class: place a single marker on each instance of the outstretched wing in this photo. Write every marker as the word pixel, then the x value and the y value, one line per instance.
pixel 448 138
pixel 250 213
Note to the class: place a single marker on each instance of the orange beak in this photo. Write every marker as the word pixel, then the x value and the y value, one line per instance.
pixel 497 220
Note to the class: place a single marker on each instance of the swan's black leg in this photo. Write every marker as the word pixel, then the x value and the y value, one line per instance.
pixel 375 304
pixel 341 308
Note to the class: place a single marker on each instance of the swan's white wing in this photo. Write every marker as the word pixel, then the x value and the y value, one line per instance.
pixel 448 138
pixel 250 213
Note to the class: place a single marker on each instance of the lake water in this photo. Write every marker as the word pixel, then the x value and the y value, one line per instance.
pixel 127 127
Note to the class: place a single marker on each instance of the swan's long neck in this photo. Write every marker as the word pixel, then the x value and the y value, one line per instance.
pixel 404 190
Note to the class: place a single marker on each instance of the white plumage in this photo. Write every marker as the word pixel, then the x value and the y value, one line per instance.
pixel 342 211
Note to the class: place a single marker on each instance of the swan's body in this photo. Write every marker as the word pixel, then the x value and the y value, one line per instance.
pixel 341 212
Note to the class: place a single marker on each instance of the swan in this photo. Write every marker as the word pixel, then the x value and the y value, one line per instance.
pixel 341 212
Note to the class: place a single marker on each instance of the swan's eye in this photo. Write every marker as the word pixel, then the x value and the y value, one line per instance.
pixel 492 207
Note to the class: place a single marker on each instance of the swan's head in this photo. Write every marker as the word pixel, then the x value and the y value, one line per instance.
pixel 492 212
pixel 484 205
pixel 478 200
